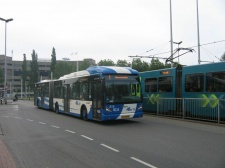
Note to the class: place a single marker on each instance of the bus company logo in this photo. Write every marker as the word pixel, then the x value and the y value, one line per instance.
pixel 153 98
pixel 77 103
pixel 128 109
pixel 212 100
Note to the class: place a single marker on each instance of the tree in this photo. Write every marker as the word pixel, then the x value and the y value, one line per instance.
pixel 105 62
pixel 122 63
pixel 24 71
pixel 222 58
pixel 53 62
pixel 139 65
pixel 84 65
pixel 156 64
pixel 34 71
pixel 63 68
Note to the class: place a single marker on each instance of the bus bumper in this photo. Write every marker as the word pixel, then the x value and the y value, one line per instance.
pixel 121 116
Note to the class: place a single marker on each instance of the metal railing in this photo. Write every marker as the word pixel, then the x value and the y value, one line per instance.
pixel 212 110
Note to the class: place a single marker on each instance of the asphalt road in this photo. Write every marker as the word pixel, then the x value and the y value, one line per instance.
pixel 42 139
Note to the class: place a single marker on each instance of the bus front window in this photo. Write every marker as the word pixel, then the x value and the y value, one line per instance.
pixel 122 92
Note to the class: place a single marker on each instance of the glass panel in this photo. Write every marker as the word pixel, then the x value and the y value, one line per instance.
pixel 123 91
pixel 165 84
pixel 215 82
pixel 151 85
pixel 194 83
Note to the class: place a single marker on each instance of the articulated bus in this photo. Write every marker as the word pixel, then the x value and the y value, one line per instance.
pixel 97 93
pixel 197 90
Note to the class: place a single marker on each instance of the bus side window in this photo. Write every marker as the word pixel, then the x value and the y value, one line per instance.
pixel 83 91
pixel 133 90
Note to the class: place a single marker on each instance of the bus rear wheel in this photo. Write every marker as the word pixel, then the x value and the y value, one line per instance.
pixel 57 109
pixel 38 104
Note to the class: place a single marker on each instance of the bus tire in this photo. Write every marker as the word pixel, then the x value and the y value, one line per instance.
pixel 38 104
pixel 57 108
pixel 84 113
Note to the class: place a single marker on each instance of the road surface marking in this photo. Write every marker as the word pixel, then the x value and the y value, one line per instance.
pixel 113 149
pixel 41 123
pixel 55 126
pixel 87 137
pixel 142 162
pixel 29 120
pixel 18 117
pixel 5 116
pixel 70 131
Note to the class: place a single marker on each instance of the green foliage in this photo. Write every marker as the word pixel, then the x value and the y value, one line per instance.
pixel 53 62
pixel 137 64
pixel 105 62
pixel 122 63
pixel 63 68
pixel 84 65
pixel 156 64
pixel 34 71
pixel 24 71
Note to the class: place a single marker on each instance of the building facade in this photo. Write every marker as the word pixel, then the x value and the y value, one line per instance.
pixel 14 72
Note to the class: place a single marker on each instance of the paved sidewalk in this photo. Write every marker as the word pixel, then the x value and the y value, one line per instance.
pixel 6 160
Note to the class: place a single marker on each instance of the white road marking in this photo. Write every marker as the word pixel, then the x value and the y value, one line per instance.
pixel 55 126
pixel 15 107
pixel 87 137
pixel 113 149
pixel 41 123
pixel 29 119
pixel 70 131
pixel 5 116
pixel 142 162
pixel 18 117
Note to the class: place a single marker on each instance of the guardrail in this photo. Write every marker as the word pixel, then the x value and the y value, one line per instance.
pixel 193 108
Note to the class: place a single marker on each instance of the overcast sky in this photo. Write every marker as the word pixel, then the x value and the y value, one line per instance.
pixel 112 29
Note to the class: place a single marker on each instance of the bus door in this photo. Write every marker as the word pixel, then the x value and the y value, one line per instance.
pixel 97 99
pixel 43 94
pixel 66 95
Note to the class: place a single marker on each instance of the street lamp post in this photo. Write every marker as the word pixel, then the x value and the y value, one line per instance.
pixel 6 21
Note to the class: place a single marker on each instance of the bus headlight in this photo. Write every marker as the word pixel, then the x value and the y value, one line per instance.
pixel 108 109
pixel 140 107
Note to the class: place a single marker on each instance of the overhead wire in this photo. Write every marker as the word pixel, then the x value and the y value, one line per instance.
pixel 188 47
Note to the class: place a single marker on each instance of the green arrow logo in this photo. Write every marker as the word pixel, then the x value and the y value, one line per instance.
pixel 206 100
pixel 154 99
pixel 213 100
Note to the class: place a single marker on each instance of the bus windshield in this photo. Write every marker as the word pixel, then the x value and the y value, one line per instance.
pixel 123 91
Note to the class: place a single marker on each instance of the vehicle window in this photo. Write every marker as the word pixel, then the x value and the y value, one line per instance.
pixel 58 89
pixel 75 92
pixel 215 82
pixel 194 83
pixel 151 85
pixel 165 84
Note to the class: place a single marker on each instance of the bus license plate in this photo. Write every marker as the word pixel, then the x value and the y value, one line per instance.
pixel 125 116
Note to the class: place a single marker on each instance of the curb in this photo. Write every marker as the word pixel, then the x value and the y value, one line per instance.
pixel 6 159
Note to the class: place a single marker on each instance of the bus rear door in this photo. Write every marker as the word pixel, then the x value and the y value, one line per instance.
pixel 97 99
pixel 66 93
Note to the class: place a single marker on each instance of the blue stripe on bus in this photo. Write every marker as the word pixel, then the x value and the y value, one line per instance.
pixel 111 70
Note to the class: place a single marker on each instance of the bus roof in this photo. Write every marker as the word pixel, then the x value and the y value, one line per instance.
pixel 111 70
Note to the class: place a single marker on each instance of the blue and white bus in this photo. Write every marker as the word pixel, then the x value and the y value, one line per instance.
pixel 97 93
